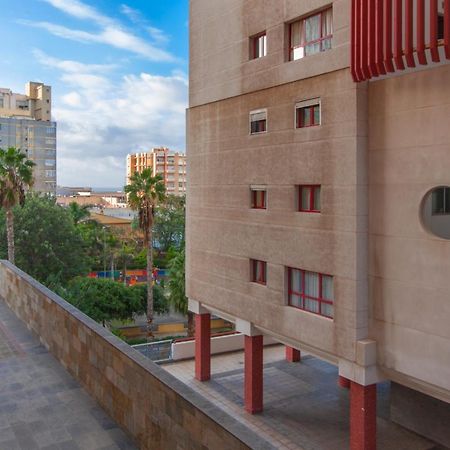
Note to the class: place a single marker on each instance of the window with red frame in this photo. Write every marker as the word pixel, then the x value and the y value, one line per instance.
pixel 311 291
pixel 258 46
pixel 311 34
pixel 258 122
pixel 307 116
pixel 309 198
pixel 258 198
pixel 258 271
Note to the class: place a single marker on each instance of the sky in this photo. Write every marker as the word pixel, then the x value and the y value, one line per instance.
pixel 118 71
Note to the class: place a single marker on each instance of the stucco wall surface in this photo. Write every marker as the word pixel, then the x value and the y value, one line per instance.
pixel 409 154
pixel 220 66
pixel 157 410
pixel 223 232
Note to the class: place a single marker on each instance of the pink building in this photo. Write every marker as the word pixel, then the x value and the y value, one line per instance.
pixel 318 194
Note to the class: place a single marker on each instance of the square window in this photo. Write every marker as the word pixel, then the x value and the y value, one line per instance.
pixel 258 198
pixel 309 198
pixel 258 121
pixel 310 35
pixel 258 46
pixel 307 113
pixel 311 291
pixel 258 271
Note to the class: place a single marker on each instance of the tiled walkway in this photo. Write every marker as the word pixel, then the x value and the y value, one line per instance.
pixel 41 405
pixel 303 406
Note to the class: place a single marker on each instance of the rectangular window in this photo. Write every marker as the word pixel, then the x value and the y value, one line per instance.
pixel 50 162
pixel 311 34
pixel 50 173
pixel 258 271
pixel 440 201
pixel 307 113
pixel 309 198
pixel 258 46
pixel 258 121
pixel 50 130
pixel 311 291
pixel 258 198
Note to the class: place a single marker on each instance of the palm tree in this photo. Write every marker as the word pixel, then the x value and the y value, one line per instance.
pixel 144 193
pixel 79 213
pixel 16 175
pixel 177 294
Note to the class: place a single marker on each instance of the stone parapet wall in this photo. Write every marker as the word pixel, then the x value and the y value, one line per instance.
pixel 158 411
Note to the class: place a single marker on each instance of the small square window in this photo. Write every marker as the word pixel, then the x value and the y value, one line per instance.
pixel 258 121
pixel 309 198
pixel 307 113
pixel 258 46
pixel 258 271
pixel 258 198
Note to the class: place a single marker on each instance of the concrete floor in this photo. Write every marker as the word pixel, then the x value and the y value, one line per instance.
pixel 303 406
pixel 41 405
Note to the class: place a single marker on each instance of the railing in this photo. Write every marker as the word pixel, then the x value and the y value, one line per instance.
pixel 391 35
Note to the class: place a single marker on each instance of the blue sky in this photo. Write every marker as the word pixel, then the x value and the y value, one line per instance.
pixel 118 70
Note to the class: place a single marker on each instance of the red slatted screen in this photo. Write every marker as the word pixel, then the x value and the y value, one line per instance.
pixel 404 32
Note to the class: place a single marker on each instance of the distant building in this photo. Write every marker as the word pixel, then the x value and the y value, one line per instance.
pixel 171 165
pixel 25 123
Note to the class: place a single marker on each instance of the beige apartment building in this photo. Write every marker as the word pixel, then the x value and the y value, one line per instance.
pixel 169 164
pixel 318 203
pixel 25 123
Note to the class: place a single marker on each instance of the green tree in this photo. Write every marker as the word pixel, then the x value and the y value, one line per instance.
pixel 177 292
pixel 48 245
pixel 145 192
pixel 103 300
pixel 160 304
pixel 16 175
pixel 168 230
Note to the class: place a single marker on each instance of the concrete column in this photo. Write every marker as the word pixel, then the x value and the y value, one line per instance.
pixel 292 354
pixel 343 382
pixel 253 378
pixel 363 416
pixel 203 346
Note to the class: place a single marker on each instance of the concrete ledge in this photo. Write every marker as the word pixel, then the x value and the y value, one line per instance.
pixel 156 409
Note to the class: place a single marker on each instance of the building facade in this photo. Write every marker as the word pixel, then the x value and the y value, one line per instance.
pixel 318 147
pixel 25 123
pixel 169 164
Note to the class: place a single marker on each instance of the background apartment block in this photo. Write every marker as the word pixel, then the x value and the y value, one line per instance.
pixel 169 164
pixel 25 123
pixel 318 143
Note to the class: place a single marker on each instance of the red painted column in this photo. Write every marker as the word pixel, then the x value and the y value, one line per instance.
pixel 343 382
pixel 203 346
pixel 409 34
pixel 253 376
pixel 292 354
pixel 398 35
pixel 363 416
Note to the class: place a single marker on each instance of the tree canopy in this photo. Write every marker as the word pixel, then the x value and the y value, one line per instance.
pixel 47 241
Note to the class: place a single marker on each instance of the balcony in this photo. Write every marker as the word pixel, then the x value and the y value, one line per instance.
pixel 67 382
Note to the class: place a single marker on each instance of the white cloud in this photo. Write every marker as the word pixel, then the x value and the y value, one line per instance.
pixel 101 121
pixel 80 10
pixel 114 36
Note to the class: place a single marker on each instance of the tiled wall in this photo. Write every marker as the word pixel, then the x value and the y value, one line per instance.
pixel 157 410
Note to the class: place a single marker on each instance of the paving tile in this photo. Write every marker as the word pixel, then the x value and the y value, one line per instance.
pixel 41 405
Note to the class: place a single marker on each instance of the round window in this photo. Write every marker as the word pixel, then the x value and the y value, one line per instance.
pixel 436 211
